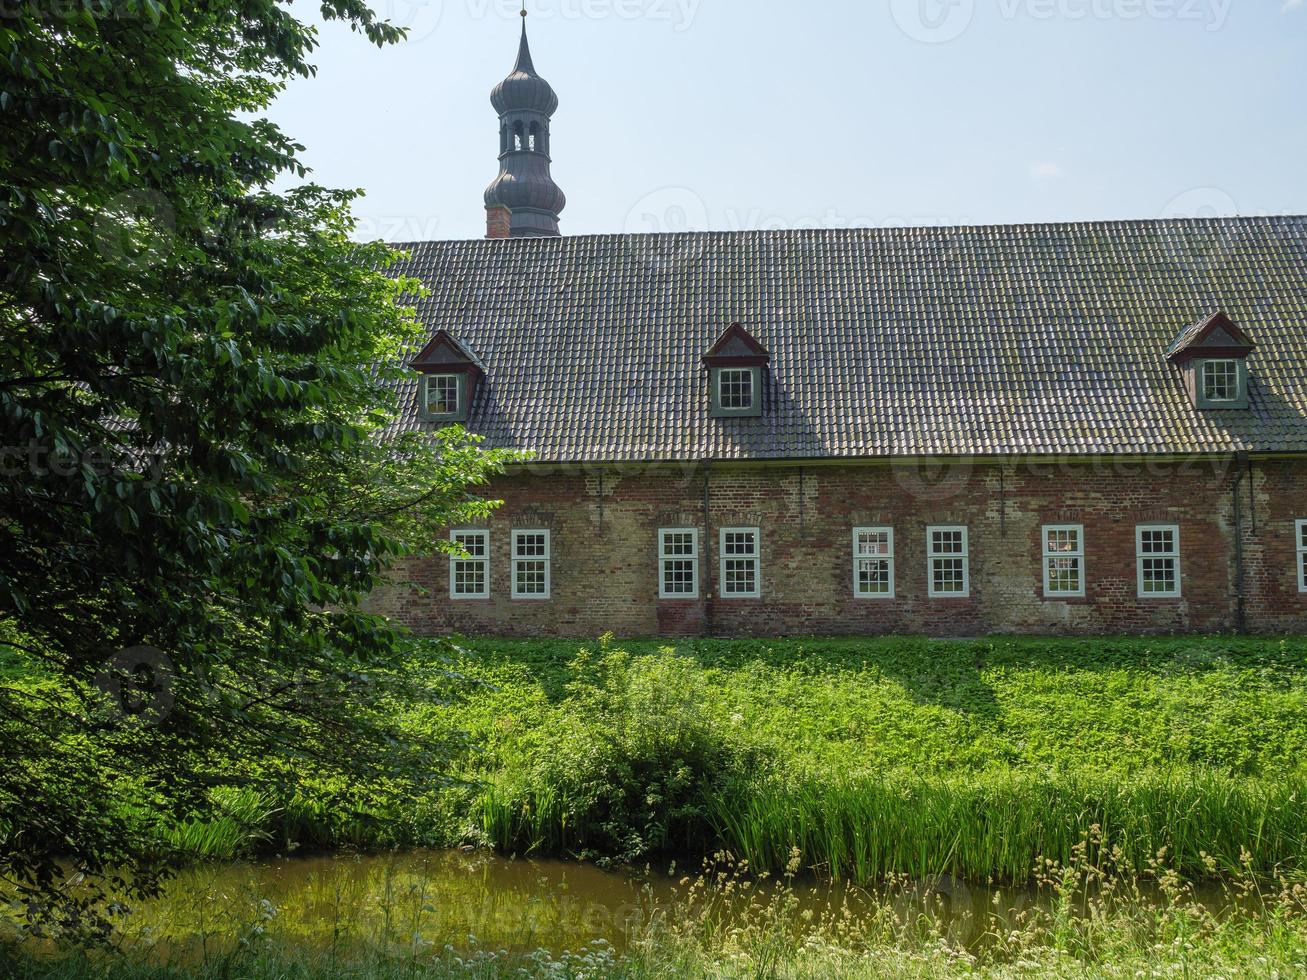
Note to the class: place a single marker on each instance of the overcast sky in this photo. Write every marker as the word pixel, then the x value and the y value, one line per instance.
pixel 729 114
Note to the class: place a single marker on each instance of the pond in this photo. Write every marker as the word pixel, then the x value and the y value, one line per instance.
pixel 416 901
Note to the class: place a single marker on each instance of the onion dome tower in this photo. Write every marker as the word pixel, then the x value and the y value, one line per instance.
pixel 523 201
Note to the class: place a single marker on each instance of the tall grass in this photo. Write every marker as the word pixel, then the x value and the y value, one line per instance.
pixel 868 826
pixel 243 823
pixel 239 822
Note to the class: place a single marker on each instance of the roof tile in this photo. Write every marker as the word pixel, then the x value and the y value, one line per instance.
pixel 1024 339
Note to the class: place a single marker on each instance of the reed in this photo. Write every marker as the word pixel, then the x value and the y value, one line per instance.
pixel 238 823
pixel 865 827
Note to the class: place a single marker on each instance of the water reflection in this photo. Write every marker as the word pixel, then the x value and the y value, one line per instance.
pixel 418 902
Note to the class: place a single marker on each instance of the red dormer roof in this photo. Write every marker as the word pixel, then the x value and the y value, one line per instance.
pixel 445 352
pixel 736 347
pixel 1215 336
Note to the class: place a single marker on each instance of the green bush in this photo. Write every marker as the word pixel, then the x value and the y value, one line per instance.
pixel 626 767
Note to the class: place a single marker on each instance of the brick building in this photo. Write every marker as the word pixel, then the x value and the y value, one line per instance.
pixel 1080 428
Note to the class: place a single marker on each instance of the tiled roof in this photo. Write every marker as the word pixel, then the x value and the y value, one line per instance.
pixel 1023 339
pixel 1190 333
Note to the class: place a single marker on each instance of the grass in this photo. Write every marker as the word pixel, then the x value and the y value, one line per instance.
pixel 889 756
pixel 1237 705
pixel 868 826
pixel 873 756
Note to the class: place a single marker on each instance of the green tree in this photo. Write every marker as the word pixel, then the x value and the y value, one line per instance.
pixel 193 415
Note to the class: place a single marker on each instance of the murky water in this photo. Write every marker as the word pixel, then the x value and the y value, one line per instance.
pixel 423 900
pixel 431 898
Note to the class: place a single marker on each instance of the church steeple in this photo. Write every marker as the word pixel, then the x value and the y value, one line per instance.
pixel 524 63
pixel 523 201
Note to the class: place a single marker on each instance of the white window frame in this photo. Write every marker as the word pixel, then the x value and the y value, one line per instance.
pixel 756 558
pixel 1049 556
pixel 933 556
pixel 1300 541
pixel 859 557
pixel 721 384
pixel 484 561
pixel 1202 379
pixel 546 559
pixel 1140 558
pixel 664 559
pixel 431 381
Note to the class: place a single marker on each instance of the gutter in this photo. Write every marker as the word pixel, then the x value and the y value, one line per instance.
pixel 772 462
pixel 1242 467
pixel 706 621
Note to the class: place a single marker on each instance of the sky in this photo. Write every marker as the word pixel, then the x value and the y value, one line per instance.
pixel 735 115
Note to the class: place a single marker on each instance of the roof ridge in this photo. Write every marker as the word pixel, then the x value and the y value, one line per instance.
pixel 746 233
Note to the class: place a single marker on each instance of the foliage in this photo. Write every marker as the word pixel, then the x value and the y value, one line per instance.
pixel 886 756
pixel 624 771
pixel 193 426
pixel 875 757
pixel 1236 705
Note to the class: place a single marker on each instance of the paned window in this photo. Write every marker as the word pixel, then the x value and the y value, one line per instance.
pixel 948 572
pixel 739 563
pixel 873 562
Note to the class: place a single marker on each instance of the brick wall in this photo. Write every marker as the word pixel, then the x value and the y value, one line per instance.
pixel 605 569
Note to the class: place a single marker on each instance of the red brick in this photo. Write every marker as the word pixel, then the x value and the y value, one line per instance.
pixel 605 567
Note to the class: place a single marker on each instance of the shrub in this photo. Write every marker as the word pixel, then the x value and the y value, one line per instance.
pixel 624 769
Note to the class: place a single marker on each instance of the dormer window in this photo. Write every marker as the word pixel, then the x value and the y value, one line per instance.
pixel 442 395
pixel 735 374
pixel 450 373
pixel 1220 380
pixel 1212 356
pixel 735 389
